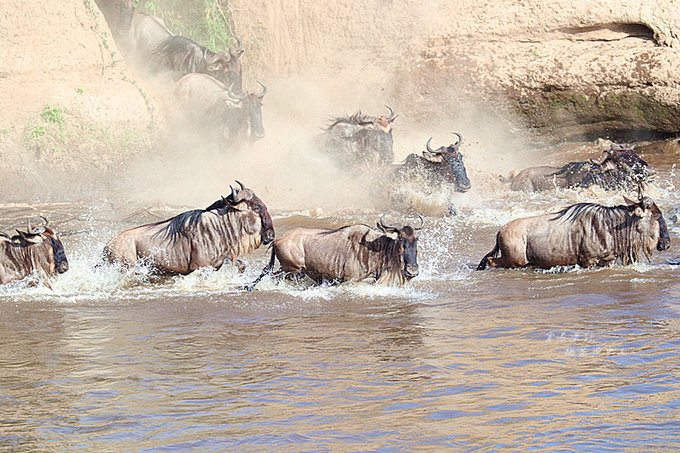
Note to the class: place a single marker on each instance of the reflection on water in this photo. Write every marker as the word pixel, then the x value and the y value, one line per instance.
pixel 506 359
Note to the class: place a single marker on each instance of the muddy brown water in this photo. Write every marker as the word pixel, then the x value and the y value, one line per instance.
pixel 567 359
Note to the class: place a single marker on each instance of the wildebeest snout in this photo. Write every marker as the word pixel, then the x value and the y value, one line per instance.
pixel 411 270
pixel 267 236
pixel 62 267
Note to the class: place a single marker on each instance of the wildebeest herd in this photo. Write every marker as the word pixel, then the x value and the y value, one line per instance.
pixel 209 87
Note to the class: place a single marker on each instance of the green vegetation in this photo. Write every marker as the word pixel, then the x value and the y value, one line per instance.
pixel 33 132
pixel 67 137
pixel 208 22
pixel 52 115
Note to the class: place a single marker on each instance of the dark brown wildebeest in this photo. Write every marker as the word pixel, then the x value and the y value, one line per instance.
pixel 586 234
pixel 621 167
pixel 443 165
pixel 182 55
pixel 144 34
pixel 388 255
pixel 207 237
pixel 34 250
pixel 224 115
pixel 361 141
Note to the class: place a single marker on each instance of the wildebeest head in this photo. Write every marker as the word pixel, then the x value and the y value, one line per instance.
pixel 245 199
pixel 226 67
pixel 624 164
pixel 407 243
pixel 50 255
pixel 251 103
pixel 651 223
pixel 454 168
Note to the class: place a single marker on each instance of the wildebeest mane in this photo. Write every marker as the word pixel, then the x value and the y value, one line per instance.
pixel 357 119
pixel 176 43
pixel 574 212
pixel 177 226
pixel 325 232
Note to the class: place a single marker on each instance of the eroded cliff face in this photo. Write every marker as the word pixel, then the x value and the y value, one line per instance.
pixel 569 67
pixel 60 53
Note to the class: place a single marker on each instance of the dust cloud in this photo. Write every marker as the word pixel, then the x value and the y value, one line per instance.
pixel 288 169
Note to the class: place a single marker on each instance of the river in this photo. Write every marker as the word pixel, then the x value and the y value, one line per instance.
pixel 566 359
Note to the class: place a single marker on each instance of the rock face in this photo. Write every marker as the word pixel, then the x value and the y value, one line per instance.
pixel 570 67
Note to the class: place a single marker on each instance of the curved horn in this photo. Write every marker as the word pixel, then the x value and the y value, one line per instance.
pixel 427 145
pixel 36 230
pixel 47 222
pixel 237 51
pixel 233 95
pixel 596 162
pixel 264 90
pixel 422 222
pixel 240 184
pixel 460 138
pixel 392 114
pixel 385 226
pixel 234 193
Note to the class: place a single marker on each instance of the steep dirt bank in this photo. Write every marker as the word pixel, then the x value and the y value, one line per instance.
pixel 568 67
pixel 67 103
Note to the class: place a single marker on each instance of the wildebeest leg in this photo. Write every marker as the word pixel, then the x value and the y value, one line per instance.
pixel 513 253
pixel 267 270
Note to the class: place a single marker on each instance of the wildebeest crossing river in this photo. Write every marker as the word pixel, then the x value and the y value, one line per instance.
pixel 502 359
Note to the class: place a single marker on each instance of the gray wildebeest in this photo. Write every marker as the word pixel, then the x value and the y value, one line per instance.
pixel 443 165
pixel 619 168
pixel 388 255
pixel 145 33
pixel 219 112
pixel 586 234
pixel 38 249
pixel 208 237
pixel 360 141
pixel 181 55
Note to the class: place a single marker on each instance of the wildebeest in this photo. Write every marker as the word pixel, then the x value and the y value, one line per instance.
pixel 182 55
pixel 144 34
pixel 437 166
pixel 118 15
pixel 388 255
pixel 361 141
pixel 621 167
pixel 38 249
pixel 223 114
pixel 206 237
pixel 586 234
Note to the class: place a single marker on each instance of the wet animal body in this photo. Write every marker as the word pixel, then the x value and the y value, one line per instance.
pixel 224 115
pixel 435 167
pixel 388 255
pixel 359 141
pixel 228 228
pixel 620 167
pixel 586 234
pixel 34 250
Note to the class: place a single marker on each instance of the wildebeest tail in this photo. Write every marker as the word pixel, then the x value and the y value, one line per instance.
pixel 267 270
pixel 492 254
